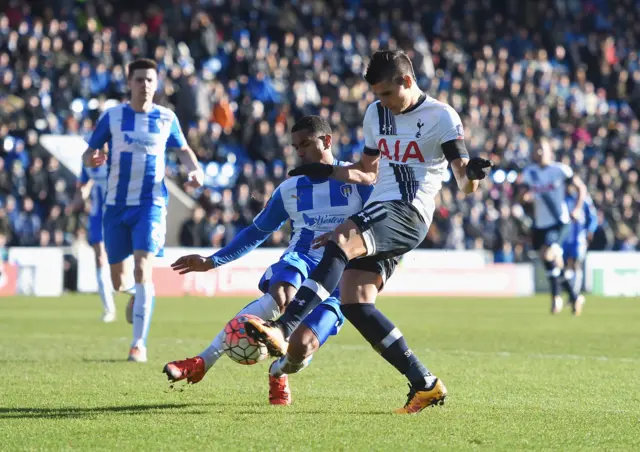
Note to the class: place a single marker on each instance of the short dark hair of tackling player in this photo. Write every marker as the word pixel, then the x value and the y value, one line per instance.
pixel 389 66
pixel 314 125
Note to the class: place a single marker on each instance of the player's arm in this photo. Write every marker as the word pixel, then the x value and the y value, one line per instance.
pixel 525 195
pixel 582 195
pixel 576 181
pixel 270 219
pixel 591 217
pixel 83 190
pixel 187 157
pixel 96 154
pixel 467 171
pixel 364 172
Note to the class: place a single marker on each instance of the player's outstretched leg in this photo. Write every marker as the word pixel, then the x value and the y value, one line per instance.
pixel 322 281
pixel 194 369
pixel 425 388
pixel 105 289
pixel 326 320
pixel 143 304
pixel 572 283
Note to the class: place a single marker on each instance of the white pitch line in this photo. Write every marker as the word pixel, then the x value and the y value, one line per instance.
pixel 506 354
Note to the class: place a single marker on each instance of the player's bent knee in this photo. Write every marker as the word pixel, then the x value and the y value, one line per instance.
pixel 143 267
pixel 303 343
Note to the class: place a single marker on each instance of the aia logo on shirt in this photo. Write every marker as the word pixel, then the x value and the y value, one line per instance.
pixel 411 151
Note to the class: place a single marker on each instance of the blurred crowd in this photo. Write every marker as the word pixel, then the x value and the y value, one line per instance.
pixel 239 72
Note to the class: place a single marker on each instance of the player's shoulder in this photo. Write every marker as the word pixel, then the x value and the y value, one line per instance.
pixel 443 111
pixel 164 111
pixel 116 108
pixel 371 113
pixel 113 111
pixel 288 184
pixel 562 167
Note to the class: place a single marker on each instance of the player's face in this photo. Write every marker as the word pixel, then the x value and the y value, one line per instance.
pixel 544 153
pixel 309 146
pixel 394 96
pixel 143 84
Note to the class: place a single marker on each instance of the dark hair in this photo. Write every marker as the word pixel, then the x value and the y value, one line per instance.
pixel 388 66
pixel 312 124
pixel 142 63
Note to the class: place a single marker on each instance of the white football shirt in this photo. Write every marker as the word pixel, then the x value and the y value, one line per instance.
pixel 549 186
pixel 412 164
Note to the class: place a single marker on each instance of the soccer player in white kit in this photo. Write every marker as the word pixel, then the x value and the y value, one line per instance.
pixel 545 183
pixel 410 139
pixel 138 133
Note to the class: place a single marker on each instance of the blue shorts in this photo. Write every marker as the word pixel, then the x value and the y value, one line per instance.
pixel 131 228
pixel 293 268
pixel 575 250
pixel 95 228
pixel 325 320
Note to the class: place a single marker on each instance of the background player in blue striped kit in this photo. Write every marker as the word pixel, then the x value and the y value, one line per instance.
pixel 315 207
pixel 575 245
pixel 93 185
pixel 138 134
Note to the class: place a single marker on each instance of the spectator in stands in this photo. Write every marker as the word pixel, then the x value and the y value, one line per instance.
pixel 238 74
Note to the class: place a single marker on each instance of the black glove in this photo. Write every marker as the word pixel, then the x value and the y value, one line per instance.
pixel 313 170
pixel 478 168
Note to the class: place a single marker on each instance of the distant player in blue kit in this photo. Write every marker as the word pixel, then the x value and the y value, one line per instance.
pixel 315 207
pixel 575 245
pixel 93 185
pixel 138 134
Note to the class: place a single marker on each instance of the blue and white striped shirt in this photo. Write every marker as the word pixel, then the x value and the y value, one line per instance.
pixel 586 224
pixel 314 207
pixel 137 149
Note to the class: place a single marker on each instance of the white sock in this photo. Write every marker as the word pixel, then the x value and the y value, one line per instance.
pixel 264 307
pixel 577 280
pixel 105 289
pixel 286 366
pixel 131 290
pixel 142 312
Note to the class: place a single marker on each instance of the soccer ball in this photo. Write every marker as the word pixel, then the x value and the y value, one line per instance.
pixel 240 347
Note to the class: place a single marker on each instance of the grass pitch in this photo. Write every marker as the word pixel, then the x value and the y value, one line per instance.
pixel 518 379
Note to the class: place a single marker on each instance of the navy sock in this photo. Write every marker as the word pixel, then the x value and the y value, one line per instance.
pixel 552 273
pixel 318 287
pixel 387 340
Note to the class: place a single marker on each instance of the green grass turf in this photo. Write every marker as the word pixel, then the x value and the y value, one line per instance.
pixel 518 379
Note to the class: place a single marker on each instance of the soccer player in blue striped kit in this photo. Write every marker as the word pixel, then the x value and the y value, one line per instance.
pixel 315 207
pixel 138 134
pixel 92 185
